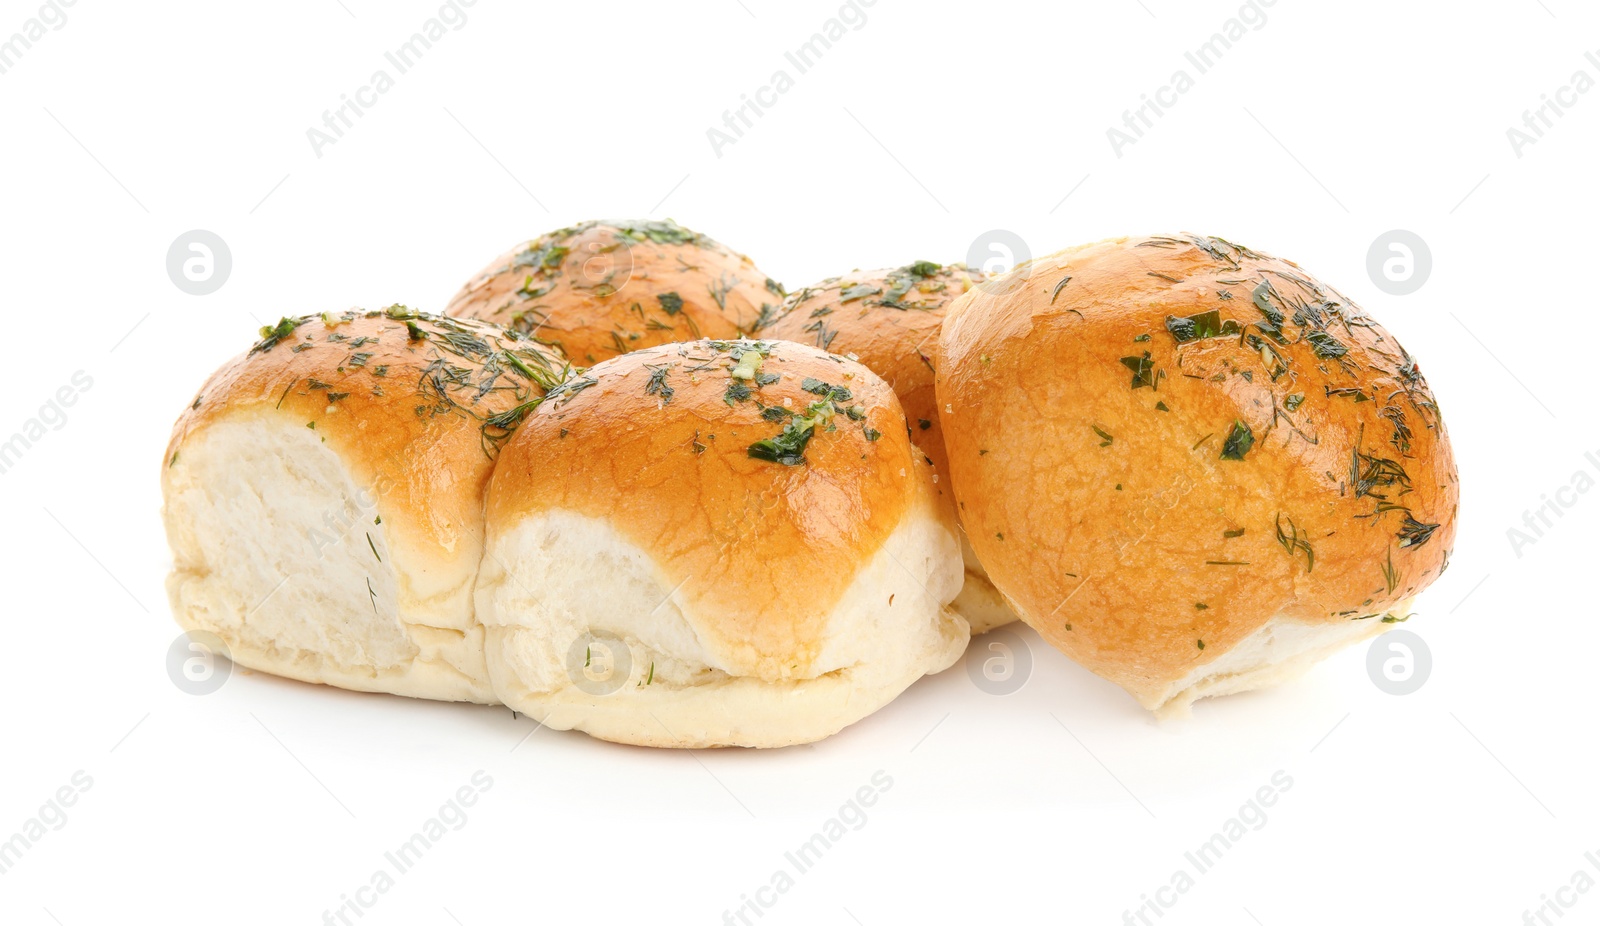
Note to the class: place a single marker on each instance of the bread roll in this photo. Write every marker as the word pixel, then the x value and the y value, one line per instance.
pixel 715 543
pixel 889 320
pixel 599 289
pixel 1191 466
pixel 324 497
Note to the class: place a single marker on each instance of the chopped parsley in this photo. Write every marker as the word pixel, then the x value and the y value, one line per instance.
pixel 1239 442
pixel 1143 370
pixel 789 447
pixel 658 385
pixel 1325 345
pixel 1199 327
pixel 830 392
pixel 1294 540
pixel 271 335
pixel 1414 533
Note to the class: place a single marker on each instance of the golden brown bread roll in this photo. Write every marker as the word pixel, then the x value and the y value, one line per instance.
pixel 599 289
pixel 737 529
pixel 324 497
pixel 889 320
pixel 1191 466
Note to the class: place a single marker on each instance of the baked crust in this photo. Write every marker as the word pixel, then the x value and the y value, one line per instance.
pixel 1159 445
pixel 658 442
pixel 599 289
pixel 889 320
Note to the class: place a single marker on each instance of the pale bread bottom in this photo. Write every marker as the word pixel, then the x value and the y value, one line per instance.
pixel 1281 650
pixel 540 600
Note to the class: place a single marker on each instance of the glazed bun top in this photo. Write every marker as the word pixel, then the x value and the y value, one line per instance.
pixel 1160 444
pixel 603 288
pixel 761 475
pixel 421 400
pixel 889 320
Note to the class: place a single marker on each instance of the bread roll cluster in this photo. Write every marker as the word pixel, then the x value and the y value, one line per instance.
pixel 628 485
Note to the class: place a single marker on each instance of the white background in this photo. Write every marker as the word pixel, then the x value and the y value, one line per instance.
pixel 932 123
